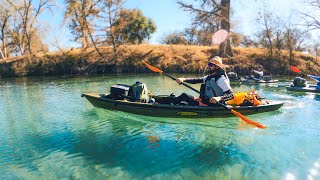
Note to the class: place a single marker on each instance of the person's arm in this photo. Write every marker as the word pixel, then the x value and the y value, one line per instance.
pixel 191 80
pixel 260 73
pixel 228 95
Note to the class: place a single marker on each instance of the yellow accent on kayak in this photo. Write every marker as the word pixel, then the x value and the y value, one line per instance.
pixel 187 113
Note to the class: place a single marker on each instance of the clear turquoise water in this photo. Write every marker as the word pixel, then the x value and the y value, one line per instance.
pixel 48 131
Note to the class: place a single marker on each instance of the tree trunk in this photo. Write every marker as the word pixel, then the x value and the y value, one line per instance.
pixel 225 49
pixel 84 39
pixel 92 41
pixel 3 50
pixel 2 56
pixel 29 43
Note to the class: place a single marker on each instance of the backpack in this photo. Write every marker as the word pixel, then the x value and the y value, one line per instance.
pixel 139 92
pixel 299 82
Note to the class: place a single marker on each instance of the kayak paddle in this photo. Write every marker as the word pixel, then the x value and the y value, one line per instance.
pixel 154 69
pixel 296 70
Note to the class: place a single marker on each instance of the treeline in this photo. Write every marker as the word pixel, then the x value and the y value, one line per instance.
pixel 272 32
pixel 170 58
pixel 93 23
pixel 100 24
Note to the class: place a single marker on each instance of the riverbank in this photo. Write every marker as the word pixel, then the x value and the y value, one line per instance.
pixel 171 58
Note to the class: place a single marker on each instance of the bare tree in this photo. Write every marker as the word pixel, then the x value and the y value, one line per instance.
pixel 272 27
pixel 111 12
pixel 206 14
pixel 312 22
pixel 5 15
pixel 294 38
pixel 210 15
pixel 25 21
pixel 190 35
pixel 80 16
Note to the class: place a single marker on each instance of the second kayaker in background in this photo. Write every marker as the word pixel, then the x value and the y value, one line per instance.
pixel 257 74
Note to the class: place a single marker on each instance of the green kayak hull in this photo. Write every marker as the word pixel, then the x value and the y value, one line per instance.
pixel 303 89
pixel 174 111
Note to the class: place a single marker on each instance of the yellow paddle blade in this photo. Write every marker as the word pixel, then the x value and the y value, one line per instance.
pixel 247 119
pixel 152 68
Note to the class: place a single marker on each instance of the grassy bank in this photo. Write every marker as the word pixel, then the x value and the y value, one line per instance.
pixel 171 58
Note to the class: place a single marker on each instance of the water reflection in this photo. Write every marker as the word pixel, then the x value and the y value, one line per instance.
pixel 140 149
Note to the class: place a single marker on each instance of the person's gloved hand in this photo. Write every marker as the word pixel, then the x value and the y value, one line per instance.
pixel 180 80
pixel 214 100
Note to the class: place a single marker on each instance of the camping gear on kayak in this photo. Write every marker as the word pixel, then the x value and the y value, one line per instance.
pixel 247 99
pixel 137 92
pixel 154 69
pixel 301 85
pixel 119 91
pixel 175 111
pixel 300 82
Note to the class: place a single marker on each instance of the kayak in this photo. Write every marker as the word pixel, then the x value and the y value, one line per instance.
pixel 258 81
pixel 313 89
pixel 175 111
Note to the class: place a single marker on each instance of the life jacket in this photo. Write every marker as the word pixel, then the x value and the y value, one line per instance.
pixel 139 92
pixel 210 88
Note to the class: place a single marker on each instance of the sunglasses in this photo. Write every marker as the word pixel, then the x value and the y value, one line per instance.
pixel 210 64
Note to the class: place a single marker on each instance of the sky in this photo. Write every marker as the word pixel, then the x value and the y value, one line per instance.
pixel 169 18
pixel 165 13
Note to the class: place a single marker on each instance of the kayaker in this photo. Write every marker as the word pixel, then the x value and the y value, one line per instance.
pixel 216 84
pixel 257 74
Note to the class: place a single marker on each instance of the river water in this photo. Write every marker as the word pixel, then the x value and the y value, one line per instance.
pixel 48 131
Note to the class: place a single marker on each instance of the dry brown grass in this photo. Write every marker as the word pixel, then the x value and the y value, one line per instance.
pixel 171 58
